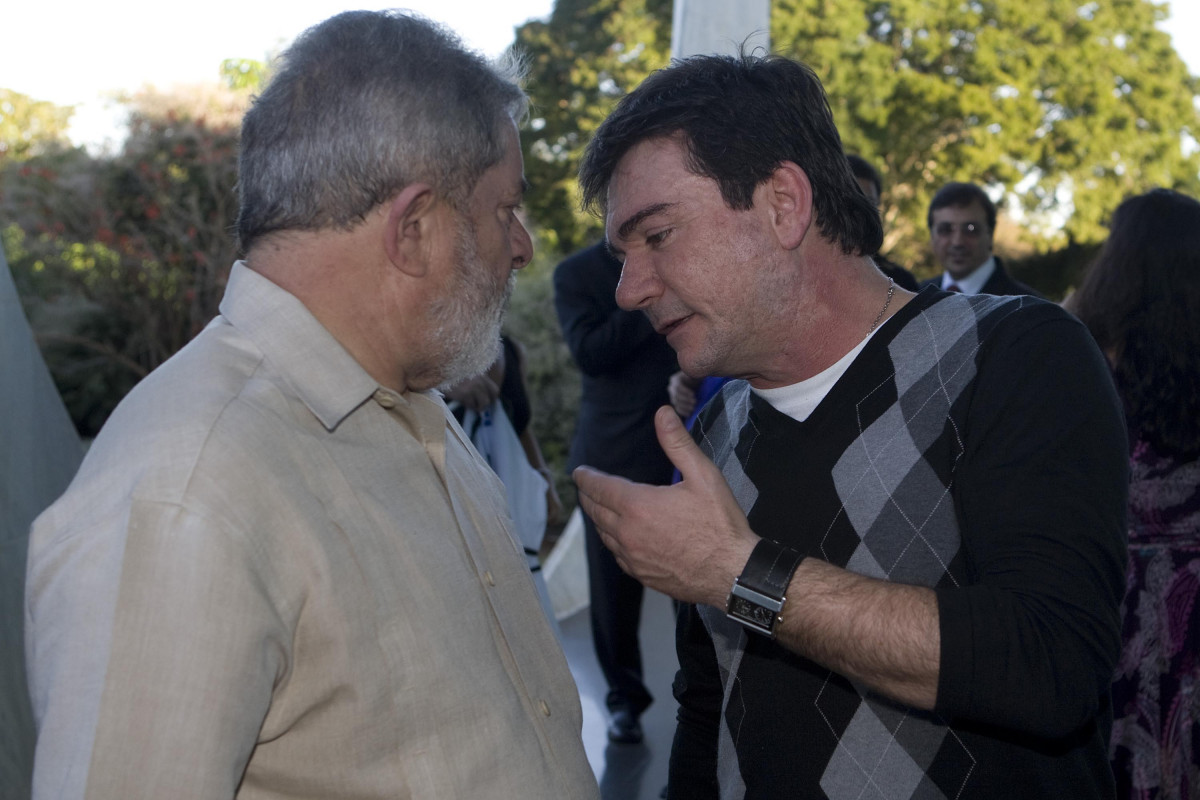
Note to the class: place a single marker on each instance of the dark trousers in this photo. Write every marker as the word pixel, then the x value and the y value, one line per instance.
pixel 616 610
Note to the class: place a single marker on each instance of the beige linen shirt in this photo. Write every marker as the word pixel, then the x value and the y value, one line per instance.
pixel 273 578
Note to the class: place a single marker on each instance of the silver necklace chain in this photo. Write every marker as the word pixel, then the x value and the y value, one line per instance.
pixel 886 303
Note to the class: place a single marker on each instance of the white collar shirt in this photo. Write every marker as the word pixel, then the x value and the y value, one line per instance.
pixel 973 283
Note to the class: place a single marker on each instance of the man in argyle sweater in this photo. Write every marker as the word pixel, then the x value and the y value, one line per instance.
pixel 901 536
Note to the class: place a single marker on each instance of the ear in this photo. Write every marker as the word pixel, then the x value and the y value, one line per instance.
pixel 408 233
pixel 789 200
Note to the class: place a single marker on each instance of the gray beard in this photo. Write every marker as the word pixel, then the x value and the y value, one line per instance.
pixel 467 331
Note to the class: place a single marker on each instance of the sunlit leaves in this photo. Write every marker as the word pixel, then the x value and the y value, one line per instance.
pixel 582 60
pixel 28 127
pixel 1078 105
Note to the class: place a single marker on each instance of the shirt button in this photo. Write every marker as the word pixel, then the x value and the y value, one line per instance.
pixel 544 707
pixel 487 576
pixel 384 399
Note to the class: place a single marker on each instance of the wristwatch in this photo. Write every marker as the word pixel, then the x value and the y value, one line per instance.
pixel 760 591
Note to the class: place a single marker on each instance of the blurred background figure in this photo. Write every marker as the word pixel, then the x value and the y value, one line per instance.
pixel 624 366
pixel 869 181
pixel 962 230
pixel 494 410
pixel 1141 301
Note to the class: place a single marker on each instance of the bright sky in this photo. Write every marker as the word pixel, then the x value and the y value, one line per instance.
pixel 79 52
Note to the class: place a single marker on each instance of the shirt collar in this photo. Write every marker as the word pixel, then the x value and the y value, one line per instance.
pixel 324 376
pixel 973 283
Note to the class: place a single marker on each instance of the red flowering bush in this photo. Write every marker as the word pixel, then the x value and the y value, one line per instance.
pixel 121 259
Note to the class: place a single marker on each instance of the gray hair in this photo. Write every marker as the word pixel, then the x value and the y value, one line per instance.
pixel 361 106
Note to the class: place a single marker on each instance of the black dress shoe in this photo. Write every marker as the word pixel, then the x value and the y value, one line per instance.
pixel 624 728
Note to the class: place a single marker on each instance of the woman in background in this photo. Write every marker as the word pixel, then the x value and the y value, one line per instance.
pixel 1141 301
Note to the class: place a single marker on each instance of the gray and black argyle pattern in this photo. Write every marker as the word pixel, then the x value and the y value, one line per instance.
pixel 888 513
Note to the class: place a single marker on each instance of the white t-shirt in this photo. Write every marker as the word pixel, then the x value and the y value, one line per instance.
pixel 798 400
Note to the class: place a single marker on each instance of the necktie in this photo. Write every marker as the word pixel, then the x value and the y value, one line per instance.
pixel 954 287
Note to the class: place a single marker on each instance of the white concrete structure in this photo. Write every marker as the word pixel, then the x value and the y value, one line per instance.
pixel 39 453
pixel 719 26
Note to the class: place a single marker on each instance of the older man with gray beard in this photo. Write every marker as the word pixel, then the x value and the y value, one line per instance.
pixel 282 570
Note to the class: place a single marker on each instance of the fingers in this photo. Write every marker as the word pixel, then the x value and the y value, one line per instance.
pixel 684 406
pixel 606 498
pixel 594 488
pixel 483 393
pixel 681 391
pixel 475 393
pixel 554 507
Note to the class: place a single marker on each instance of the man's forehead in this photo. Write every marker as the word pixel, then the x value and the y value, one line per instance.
pixel 645 181
pixel 664 155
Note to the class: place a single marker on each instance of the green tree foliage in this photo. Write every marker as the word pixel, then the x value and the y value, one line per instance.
pixel 29 127
pixel 243 74
pixel 581 61
pixel 121 259
pixel 1065 106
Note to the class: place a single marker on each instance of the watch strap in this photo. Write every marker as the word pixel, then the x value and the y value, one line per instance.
pixel 769 568
pixel 759 592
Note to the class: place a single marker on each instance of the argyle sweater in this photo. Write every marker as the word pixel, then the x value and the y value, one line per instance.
pixel 974 446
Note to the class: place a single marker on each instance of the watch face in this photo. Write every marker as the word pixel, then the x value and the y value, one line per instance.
pixel 752 612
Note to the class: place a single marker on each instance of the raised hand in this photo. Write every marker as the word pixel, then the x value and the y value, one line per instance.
pixel 689 540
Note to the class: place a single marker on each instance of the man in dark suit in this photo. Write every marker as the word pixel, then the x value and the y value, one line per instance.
pixel 962 222
pixel 625 367
pixel 872 185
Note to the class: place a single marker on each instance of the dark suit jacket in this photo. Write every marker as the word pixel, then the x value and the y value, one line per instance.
pixel 625 367
pixel 903 278
pixel 1001 283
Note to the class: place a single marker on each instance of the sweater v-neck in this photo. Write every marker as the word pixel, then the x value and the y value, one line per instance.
pixel 848 388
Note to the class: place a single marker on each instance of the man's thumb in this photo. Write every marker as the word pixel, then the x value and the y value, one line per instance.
pixel 676 442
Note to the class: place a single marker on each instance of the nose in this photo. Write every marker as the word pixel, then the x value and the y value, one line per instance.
pixel 639 284
pixel 522 245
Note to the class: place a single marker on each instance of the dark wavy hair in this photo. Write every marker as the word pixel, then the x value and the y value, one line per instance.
pixel 1141 301
pixel 741 117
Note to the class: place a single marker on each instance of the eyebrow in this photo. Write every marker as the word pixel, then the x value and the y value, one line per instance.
pixel 628 225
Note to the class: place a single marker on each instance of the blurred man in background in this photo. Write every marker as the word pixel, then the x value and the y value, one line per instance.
pixel 962 224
